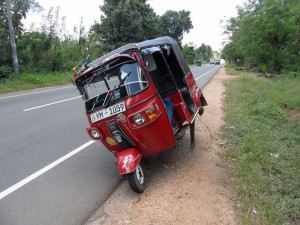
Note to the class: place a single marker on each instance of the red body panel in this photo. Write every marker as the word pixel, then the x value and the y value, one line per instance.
pixel 193 88
pixel 128 160
pixel 179 107
pixel 159 129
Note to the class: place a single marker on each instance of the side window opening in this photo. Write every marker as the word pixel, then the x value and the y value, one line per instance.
pixel 161 75
pixel 174 66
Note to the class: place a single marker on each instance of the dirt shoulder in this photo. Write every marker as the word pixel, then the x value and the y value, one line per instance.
pixel 183 186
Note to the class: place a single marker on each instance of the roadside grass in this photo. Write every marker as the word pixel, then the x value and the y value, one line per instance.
pixel 264 143
pixel 34 80
pixel 231 71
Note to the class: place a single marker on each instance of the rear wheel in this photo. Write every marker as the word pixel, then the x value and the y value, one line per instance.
pixel 136 180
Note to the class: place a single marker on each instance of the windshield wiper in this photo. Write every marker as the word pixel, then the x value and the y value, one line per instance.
pixel 110 94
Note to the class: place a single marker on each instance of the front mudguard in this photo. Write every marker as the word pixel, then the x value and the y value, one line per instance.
pixel 128 160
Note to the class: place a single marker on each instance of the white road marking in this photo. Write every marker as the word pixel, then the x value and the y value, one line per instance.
pixel 205 73
pixel 36 92
pixel 43 170
pixel 51 103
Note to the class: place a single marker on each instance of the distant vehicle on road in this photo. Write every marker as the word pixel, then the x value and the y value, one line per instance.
pixel 217 62
pixel 212 61
pixel 199 63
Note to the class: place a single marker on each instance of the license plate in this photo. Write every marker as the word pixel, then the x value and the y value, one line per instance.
pixel 108 112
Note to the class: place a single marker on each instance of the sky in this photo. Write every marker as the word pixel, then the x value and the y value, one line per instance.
pixel 205 15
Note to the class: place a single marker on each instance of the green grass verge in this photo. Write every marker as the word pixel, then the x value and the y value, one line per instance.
pixel 264 147
pixel 230 70
pixel 34 80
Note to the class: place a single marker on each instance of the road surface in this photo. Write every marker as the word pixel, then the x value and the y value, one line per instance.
pixel 50 171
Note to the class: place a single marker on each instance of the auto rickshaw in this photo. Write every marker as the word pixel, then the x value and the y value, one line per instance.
pixel 139 100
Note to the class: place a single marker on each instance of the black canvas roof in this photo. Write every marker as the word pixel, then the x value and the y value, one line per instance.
pixel 145 44
pixel 123 49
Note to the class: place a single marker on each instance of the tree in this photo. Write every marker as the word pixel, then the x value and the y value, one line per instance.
pixel 175 24
pixel 19 10
pixel 49 48
pixel 126 22
pixel 204 52
pixel 189 53
pixel 12 38
pixel 132 21
pixel 265 34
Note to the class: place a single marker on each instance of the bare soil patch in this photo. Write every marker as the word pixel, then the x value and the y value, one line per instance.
pixel 293 115
pixel 183 186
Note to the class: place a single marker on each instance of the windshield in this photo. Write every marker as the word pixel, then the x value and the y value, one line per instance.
pixel 113 84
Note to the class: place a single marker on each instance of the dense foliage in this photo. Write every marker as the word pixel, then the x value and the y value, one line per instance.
pixel 19 10
pixel 193 54
pixel 266 35
pixel 126 22
pixel 176 23
pixel 49 47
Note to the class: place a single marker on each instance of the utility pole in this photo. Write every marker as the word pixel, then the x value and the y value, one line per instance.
pixel 12 38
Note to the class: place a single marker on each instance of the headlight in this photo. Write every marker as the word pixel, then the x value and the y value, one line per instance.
pixel 139 119
pixel 95 134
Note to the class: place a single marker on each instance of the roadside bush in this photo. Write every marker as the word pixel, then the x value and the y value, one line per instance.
pixel 5 71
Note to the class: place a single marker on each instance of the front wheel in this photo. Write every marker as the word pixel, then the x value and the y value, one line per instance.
pixel 136 180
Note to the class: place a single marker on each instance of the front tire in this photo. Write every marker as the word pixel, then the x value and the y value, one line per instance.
pixel 136 179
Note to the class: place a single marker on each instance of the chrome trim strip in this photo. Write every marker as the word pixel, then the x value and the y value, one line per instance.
pixel 194 117
pixel 142 101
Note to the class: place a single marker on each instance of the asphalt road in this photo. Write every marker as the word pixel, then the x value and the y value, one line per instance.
pixel 50 171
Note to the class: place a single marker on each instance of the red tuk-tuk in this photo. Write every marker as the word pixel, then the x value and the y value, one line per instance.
pixel 139 100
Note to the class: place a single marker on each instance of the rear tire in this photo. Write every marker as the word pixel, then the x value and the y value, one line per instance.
pixel 136 179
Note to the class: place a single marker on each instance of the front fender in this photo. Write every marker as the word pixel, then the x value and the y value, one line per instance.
pixel 128 160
